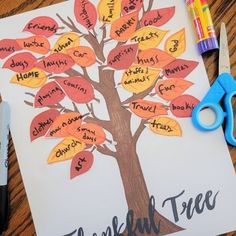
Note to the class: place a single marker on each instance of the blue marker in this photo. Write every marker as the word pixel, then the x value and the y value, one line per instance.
pixel 4 138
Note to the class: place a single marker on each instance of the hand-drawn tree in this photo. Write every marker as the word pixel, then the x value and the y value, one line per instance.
pixel 135 28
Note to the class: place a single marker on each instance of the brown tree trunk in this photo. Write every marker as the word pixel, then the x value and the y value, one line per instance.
pixel 136 192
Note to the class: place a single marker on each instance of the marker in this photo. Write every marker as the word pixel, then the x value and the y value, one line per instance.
pixel 4 138
pixel 203 26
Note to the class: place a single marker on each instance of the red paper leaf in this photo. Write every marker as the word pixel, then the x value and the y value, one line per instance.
pixel 128 6
pixel 78 89
pixel 42 122
pixel 21 62
pixel 81 163
pixel 50 94
pixel 122 57
pixel 158 17
pixel 85 13
pixel 7 47
pixel 42 25
pixel 183 105
pixel 56 63
pixel 179 68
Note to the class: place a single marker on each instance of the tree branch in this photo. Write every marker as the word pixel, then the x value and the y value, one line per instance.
pixel 106 151
pixel 139 131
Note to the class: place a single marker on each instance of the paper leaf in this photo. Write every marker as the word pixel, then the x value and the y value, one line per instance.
pixel 165 126
pixel 78 89
pixel 90 134
pixel 148 37
pixel 42 122
pixel 34 78
pixel 85 13
pixel 66 150
pixel 83 56
pixel 157 17
pixel 171 88
pixel 20 62
pixel 154 57
pixel 50 94
pixel 179 68
pixel 128 6
pixel 109 10
pixel 42 25
pixel 123 28
pixel 7 47
pixel 81 163
pixel 147 109
pixel 65 123
pixel 37 44
pixel 182 106
pixel 122 57
pixel 176 44
pixel 65 42
pixel 139 78
pixel 56 63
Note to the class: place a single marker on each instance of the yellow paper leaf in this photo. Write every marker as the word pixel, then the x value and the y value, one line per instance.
pixel 66 150
pixel 148 37
pixel 34 78
pixel 165 126
pixel 65 42
pixel 109 10
pixel 139 78
pixel 176 44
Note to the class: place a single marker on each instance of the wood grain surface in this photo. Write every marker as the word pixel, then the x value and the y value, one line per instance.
pixel 21 223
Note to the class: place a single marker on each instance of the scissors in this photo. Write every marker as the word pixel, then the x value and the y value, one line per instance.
pixel 224 88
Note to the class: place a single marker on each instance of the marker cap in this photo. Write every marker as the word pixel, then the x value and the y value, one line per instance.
pixel 207 45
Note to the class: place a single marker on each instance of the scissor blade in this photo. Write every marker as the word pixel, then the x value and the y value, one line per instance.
pixel 224 61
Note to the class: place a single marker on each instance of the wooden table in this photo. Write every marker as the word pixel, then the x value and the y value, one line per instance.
pixel 20 218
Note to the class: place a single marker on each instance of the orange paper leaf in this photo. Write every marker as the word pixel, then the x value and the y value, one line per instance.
pixel 64 124
pixel 176 44
pixel 123 28
pixel 81 163
pixel 7 47
pixel 66 150
pixel 165 126
pixel 83 56
pixel 171 88
pixel 147 109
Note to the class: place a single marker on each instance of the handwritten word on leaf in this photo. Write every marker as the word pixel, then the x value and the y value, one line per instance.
pixel 122 57
pixel 171 88
pixel 182 106
pixel 42 25
pixel 66 41
pixel 42 122
pixel 158 17
pixel 139 78
pixel 147 109
pixel 179 68
pixel 48 95
pixel 109 10
pixel 37 44
pixel 66 150
pixel 7 47
pixel 123 28
pixel 90 134
pixel 148 37
pixel 176 43
pixel 128 6
pixel 56 63
pixel 165 126
pixel 85 13
pixel 64 123
pixel 78 89
pixel 21 62
pixel 154 57
pixel 82 55
pixel 81 163
pixel 34 78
